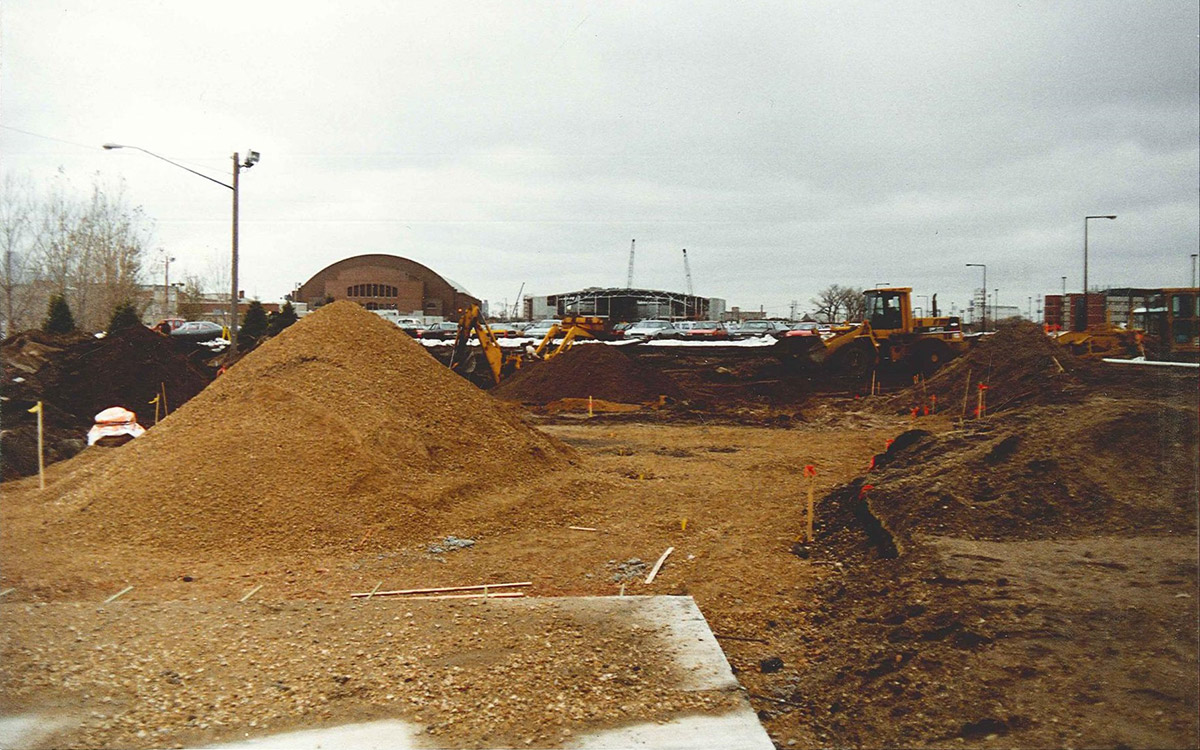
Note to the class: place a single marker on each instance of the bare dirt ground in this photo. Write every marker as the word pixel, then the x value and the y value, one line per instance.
pixel 1090 642
pixel 1024 580
pixel 738 490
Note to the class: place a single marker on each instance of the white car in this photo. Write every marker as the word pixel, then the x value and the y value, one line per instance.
pixel 652 329
pixel 539 329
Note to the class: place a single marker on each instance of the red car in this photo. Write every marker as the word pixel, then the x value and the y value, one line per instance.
pixel 706 330
pixel 803 329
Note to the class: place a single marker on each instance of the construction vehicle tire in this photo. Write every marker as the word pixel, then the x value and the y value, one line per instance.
pixel 856 360
pixel 931 355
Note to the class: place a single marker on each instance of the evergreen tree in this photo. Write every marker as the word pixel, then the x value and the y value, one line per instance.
pixel 124 316
pixel 254 326
pixel 282 319
pixel 58 316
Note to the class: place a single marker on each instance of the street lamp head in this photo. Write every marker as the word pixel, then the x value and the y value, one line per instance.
pixel 111 146
pixel 251 159
pixel 1111 216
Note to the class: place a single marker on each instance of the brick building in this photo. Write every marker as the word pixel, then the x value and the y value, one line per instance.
pixel 386 282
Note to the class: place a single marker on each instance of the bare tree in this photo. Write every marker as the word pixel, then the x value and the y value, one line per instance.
pixel 854 303
pixel 17 210
pixel 92 252
pixel 191 297
pixel 828 304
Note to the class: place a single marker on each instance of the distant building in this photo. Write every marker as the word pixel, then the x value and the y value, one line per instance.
pixel 622 305
pixel 1113 306
pixel 386 282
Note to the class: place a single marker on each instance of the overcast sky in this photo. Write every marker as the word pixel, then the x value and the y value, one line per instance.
pixel 787 146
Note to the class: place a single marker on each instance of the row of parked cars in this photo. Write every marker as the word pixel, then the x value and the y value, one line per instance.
pixel 714 330
pixel 684 330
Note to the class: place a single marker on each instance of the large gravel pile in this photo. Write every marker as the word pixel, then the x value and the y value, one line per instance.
pixel 341 426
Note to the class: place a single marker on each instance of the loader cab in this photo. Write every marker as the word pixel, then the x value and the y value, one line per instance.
pixel 888 309
pixel 1171 318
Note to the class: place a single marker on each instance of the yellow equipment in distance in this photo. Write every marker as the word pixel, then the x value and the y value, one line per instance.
pixel 502 363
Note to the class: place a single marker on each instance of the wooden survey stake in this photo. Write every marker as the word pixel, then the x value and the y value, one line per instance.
pixel 810 471
pixel 37 409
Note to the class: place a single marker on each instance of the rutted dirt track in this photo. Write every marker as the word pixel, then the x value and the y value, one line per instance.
pixel 1000 583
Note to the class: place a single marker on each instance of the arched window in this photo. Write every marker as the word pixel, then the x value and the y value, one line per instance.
pixel 349 291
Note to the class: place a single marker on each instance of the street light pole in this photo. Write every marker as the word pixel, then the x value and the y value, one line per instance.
pixel 1194 256
pixel 1086 219
pixel 167 285
pixel 238 165
pixel 984 267
pixel 234 297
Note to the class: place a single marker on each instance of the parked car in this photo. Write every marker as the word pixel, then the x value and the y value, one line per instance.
pixel 443 331
pixel 166 325
pixel 618 330
pixel 652 329
pixel 539 329
pixel 803 329
pixel 197 331
pixel 412 326
pixel 759 328
pixel 706 329
pixel 504 330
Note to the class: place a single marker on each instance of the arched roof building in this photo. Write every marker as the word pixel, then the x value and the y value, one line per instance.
pixel 386 282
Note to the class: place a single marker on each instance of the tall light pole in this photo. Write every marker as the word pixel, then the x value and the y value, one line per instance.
pixel 167 259
pixel 1064 280
pixel 1086 219
pixel 238 165
pixel 1194 256
pixel 984 267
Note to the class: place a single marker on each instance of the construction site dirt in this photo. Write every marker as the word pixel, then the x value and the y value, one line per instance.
pixel 1026 577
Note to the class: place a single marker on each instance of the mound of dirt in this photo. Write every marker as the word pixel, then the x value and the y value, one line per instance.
pixel 78 376
pixel 1005 551
pixel 1019 364
pixel 1100 467
pixel 339 427
pixel 585 370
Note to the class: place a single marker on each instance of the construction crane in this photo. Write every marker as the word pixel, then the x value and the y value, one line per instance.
pixel 687 271
pixel 629 276
pixel 516 305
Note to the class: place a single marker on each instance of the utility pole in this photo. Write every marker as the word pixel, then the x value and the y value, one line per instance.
pixel 167 285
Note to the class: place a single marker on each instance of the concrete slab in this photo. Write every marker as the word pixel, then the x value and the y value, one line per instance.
pixel 689 642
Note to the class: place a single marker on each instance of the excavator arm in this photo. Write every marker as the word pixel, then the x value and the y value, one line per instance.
pixel 472 322
pixel 569 334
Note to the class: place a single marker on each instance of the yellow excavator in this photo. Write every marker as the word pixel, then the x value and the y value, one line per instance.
pixel 464 361
pixel 889 336
pixel 572 327
pixel 501 363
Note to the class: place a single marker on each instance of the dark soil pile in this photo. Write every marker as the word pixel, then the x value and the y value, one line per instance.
pixel 338 428
pixel 1018 364
pixel 1103 466
pixel 921 646
pixel 585 370
pixel 78 376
